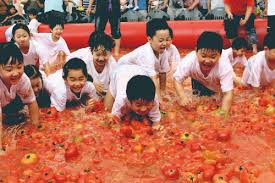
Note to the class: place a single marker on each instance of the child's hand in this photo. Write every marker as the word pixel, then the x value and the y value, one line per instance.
pixel 98 87
pixel 183 101
pixel 113 120
pixel 157 127
pixel 90 105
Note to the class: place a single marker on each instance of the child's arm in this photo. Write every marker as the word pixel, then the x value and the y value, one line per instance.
pixel 180 93
pixel 34 112
pixel 162 82
pixel 108 101
pixel 227 101
pixel 154 79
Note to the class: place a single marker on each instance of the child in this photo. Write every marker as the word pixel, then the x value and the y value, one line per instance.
pixel 269 11
pixel 33 25
pixel 21 36
pixel 173 53
pixel 100 63
pixel 152 56
pixel 236 54
pixel 52 48
pixel 209 71
pixel 260 70
pixel 132 92
pixel 41 86
pixel 75 90
pixel 15 88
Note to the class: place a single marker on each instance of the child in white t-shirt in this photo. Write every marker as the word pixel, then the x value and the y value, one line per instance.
pixel 209 71
pixel 28 47
pixel 152 56
pixel 173 53
pixel 236 55
pixel 42 88
pixel 52 48
pixel 15 89
pixel 33 24
pixel 260 70
pixel 131 94
pixel 100 63
pixel 75 90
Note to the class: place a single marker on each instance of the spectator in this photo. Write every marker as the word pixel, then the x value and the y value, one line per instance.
pixel 12 15
pixel 203 7
pixel 108 10
pixel 179 8
pixel 54 9
pixel 3 9
pixel 211 6
pixel 270 13
pixel 240 13
pixel 158 4
pixel 131 5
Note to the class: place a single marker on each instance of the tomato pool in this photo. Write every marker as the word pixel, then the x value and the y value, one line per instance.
pixel 194 144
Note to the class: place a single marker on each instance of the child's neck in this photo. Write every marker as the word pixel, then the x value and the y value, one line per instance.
pixel 25 50
pixel 270 65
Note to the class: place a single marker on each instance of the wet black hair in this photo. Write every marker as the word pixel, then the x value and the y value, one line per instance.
pixel 75 64
pixel 54 22
pixel 171 32
pixel 10 51
pixel 32 71
pixel 97 39
pixel 140 87
pixel 33 12
pixel 210 40
pixel 20 26
pixel 155 25
pixel 269 40
pixel 239 43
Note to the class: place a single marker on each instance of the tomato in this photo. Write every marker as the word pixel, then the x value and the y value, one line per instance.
pixel 52 114
pixel 208 172
pixel 47 174
pixel 73 176
pixel 223 135
pixel 126 131
pixel 60 176
pixel 263 102
pixel 10 179
pixel 171 172
pixel 194 146
pixel 71 152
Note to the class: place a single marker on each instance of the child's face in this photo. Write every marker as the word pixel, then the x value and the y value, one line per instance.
pixel 100 56
pixel 76 80
pixel 239 52
pixel 169 42
pixel 22 38
pixel 31 16
pixel 12 11
pixel 36 85
pixel 159 41
pixel 11 73
pixel 57 32
pixel 207 59
pixel 142 107
pixel 270 55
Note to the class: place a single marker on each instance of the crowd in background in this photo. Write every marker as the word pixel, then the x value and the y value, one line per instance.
pixel 79 11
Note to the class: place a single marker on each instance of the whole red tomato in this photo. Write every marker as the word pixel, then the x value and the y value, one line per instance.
pixel 71 152
pixel 263 102
pixel 171 172
pixel 126 131
pixel 60 176
pixel 223 135
pixel 208 172
pixel 47 174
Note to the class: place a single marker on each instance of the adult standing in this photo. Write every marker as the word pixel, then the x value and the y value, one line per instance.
pixel 240 12
pixel 108 10
pixel 54 9
pixel 270 13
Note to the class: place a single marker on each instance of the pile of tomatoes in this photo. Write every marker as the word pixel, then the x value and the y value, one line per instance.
pixel 195 144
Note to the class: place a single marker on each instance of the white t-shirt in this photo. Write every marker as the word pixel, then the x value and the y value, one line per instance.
pixel 229 52
pixel 217 4
pixel 63 94
pixel 144 56
pixel 219 79
pixel 104 77
pixel 47 49
pixel 32 56
pixel 118 86
pixel 257 73
pixel 271 7
pixel 23 89
pixel 173 54
pixel 33 25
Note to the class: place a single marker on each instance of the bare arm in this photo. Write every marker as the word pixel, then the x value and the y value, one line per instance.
pixel 227 9
pixel 227 101
pixel 34 112
pixel 180 93
pixel 265 7
pixel 195 3
pixel 88 11
pixel 108 101
pixel 154 79
pixel 209 5
pixel 162 82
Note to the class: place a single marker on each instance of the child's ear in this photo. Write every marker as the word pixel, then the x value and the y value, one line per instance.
pixel 149 39
pixel 265 48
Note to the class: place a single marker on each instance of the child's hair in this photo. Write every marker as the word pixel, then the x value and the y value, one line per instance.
pixel 171 34
pixel 269 40
pixel 33 12
pixel 54 22
pixel 140 87
pixel 97 39
pixel 32 71
pixel 155 25
pixel 10 51
pixel 75 64
pixel 210 40
pixel 239 43
pixel 20 26
pixel 9 7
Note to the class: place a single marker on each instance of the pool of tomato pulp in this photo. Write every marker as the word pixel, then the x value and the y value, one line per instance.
pixel 194 144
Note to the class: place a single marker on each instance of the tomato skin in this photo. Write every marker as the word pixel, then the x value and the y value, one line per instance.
pixel 126 131
pixel 52 114
pixel 170 172
pixel 47 174
pixel 244 177
pixel 71 152
pixel 60 176
pixel 223 135
pixel 208 172
pixel 263 102
pixel 194 146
